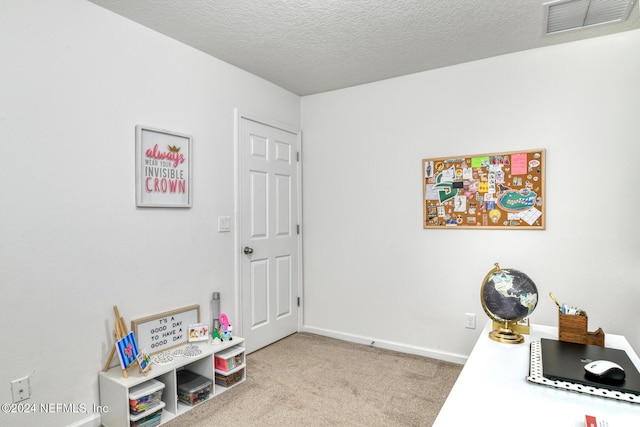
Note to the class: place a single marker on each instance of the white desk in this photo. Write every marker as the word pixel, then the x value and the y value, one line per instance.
pixel 492 390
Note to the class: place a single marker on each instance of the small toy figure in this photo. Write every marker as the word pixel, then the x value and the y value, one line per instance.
pixel 225 327
pixel 226 334
pixel 216 336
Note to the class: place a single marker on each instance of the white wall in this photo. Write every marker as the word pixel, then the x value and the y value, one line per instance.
pixel 75 80
pixel 373 273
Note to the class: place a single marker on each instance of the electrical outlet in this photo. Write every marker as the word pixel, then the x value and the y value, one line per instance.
pixel 469 320
pixel 20 389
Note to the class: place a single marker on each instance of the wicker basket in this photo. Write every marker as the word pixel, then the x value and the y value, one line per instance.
pixel 229 380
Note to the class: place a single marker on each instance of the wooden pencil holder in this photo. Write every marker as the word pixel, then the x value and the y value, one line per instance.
pixel 573 328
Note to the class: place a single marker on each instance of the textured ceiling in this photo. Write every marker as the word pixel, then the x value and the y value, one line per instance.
pixel 312 46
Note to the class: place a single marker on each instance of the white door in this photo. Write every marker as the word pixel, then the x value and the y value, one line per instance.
pixel 268 233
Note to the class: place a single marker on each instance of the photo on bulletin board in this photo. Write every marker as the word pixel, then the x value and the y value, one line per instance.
pixel 163 168
pixel 485 191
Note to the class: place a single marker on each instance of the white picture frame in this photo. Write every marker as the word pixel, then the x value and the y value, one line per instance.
pixel 163 168
pixel 166 330
pixel 198 332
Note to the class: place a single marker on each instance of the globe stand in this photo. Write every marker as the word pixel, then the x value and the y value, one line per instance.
pixel 506 335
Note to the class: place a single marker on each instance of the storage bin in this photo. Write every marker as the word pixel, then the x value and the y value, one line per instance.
pixel 229 380
pixel 145 396
pixel 192 388
pixel 150 420
pixel 229 359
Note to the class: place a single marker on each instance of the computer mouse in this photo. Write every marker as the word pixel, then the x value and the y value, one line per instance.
pixel 605 370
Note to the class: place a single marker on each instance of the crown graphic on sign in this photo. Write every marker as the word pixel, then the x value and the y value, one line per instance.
pixel 174 148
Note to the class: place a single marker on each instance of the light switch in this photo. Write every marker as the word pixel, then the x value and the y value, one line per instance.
pixel 224 224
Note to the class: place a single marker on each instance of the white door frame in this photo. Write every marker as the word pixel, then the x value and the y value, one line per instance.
pixel 238 244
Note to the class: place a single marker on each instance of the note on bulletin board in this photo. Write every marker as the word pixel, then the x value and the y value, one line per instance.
pixel 499 190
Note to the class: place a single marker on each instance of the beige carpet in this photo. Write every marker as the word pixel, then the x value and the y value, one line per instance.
pixel 310 380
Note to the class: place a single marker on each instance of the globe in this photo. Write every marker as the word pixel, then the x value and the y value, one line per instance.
pixel 508 296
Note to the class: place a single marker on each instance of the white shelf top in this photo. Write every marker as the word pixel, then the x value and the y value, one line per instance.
pixel 206 347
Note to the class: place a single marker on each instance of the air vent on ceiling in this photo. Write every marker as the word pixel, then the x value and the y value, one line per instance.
pixel 567 15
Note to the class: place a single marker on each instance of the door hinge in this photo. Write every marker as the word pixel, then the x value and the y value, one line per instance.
pixel 297 155
pixel 298 229
pixel 298 301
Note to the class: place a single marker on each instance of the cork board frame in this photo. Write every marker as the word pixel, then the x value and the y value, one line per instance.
pixel 504 190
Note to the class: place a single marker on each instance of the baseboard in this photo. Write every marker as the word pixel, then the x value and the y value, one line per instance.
pixel 92 421
pixel 389 345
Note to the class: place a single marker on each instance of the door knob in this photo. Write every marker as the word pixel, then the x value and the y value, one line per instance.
pixel 248 250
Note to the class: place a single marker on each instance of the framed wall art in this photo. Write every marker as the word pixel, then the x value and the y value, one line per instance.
pixel 163 168
pixel 491 191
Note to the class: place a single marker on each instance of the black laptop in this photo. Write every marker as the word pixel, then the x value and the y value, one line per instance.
pixel 564 361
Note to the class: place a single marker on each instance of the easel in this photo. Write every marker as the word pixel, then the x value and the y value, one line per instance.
pixel 121 331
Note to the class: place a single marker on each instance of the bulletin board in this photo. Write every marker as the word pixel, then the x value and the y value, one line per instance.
pixel 490 191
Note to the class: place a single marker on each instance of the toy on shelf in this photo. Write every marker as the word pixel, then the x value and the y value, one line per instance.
pixel 223 331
